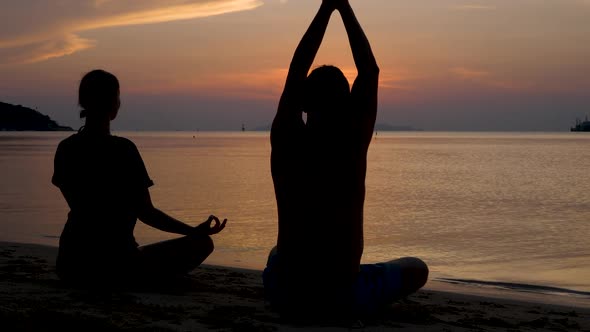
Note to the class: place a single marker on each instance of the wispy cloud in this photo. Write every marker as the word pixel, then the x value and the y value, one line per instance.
pixel 264 84
pixel 469 74
pixel 487 78
pixel 33 31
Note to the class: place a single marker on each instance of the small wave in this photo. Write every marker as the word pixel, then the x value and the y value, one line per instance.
pixel 518 287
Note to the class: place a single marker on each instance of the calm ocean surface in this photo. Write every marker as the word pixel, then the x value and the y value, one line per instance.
pixel 506 207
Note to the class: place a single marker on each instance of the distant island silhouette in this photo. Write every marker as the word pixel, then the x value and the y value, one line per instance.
pixel 20 118
pixel 581 125
pixel 378 127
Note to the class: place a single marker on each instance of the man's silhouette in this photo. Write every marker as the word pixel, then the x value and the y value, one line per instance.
pixel 319 169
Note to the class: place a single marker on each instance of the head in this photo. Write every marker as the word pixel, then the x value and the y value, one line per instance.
pixel 326 96
pixel 99 95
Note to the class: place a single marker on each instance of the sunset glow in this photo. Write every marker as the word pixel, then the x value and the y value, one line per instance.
pixel 445 65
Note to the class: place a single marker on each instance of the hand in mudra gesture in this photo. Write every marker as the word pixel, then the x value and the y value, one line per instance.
pixel 209 228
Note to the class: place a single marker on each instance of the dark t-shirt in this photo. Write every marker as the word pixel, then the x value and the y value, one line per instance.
pixel 103 179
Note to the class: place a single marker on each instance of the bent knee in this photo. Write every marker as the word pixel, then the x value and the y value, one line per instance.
pixel 201 244
pixel 273 252
pixel 414 273
pixel 208 244
pixel 421 271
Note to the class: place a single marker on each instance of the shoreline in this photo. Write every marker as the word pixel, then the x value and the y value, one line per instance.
pixel 532 293
pixel 225 298
pixel 542 293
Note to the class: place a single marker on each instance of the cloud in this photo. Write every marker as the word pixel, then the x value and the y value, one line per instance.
pixel 472 7
pixel 34 31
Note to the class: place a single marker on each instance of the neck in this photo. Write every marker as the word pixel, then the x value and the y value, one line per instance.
pixel 100 126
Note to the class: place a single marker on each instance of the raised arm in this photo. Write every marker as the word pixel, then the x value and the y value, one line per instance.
pixel 365 88
pixel 361 49
pixel 289 107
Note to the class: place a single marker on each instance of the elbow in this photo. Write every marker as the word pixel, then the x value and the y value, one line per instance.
pixel 370 70
pixel 374 69
pixel 146 212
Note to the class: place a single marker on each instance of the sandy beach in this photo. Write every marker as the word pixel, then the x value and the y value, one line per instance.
pixel 229 299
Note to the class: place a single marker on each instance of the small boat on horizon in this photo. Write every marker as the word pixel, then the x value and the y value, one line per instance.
pixel 582 125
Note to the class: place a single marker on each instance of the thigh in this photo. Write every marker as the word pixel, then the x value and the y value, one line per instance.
pixel 177 256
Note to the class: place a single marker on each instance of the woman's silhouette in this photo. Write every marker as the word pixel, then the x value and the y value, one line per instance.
pixel 105 183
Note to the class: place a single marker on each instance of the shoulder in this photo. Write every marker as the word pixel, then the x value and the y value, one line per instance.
pixel 122 140
pixel 72 139
pixel 124 143
pixel 69 142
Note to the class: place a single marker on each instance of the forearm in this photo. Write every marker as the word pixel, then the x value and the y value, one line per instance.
pixel 164 222
pixel 289 113
pixel 310 43
pixel 361 49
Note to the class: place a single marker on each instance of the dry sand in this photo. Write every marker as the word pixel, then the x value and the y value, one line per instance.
pixel 228 299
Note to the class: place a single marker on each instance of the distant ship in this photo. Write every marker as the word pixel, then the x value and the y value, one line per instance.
pixel 581 125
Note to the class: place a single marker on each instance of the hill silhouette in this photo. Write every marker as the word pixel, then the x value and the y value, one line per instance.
pixel 20 118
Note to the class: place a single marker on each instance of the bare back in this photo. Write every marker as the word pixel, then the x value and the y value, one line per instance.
pixel 319 177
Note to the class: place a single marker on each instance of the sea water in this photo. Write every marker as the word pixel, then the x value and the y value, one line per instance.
pixel 496 207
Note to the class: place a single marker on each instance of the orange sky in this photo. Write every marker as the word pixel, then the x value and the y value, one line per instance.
pixel 445 65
